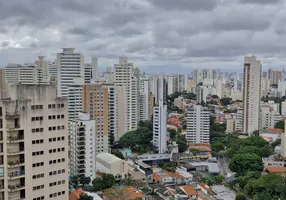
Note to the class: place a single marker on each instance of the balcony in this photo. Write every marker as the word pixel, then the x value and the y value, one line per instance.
pixel 16 187
pixel 12 115
pixel 17 163
pixel 15 139
pixel 12 127
pixel 13 152
pixel 16 175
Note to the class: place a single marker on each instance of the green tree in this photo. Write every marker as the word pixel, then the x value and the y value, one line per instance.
pixel 173 134
pixel 117 153
pixel 255 133
pixel 104 182
pixel 242 163
pixel 225 101
pixel 84 180
pixel 75 181
pixel 85 197
pixel 194 151
pixel 240 196
pixel 215 96
pixel 280 124
pixel 182 143
pixel 218 179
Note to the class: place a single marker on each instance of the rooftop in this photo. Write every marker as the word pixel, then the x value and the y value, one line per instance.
pixel 273 169
pixel 107 157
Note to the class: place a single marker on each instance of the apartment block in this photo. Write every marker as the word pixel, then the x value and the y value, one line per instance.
pixel 3 85
pixel 144 100
pixel 198 125
pixel 82 146
pixel 33 144
pixel 99 101
pixel 127 78
pixel 70 65
pixel 251 94
pixel 160 127
pixel 268 117
pixel 74 96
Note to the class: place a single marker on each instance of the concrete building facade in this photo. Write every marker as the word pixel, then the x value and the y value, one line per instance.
pixel 160 127
pixel 34 147
pixel 251 94
pixel 198 125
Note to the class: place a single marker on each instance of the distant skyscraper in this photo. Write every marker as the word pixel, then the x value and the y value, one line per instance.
pixel 70 65
pixel 198 125
pixel 3 85
pixel 144 100
pixel 275 76
pixel 251 94
pixel 160 127
pixel 127 78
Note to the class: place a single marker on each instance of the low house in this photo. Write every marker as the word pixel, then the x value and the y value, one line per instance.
pixel 189 191
pixel 129 193
pixel 166 177
pixel 204 188
pixel 275 169
pixel 75 194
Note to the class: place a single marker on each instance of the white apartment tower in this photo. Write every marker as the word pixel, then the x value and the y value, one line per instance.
pixel 91 71
pixel 83 146
pixel 160 127
pixel 198 125
pixel 34 144
pixel 251 94
pixel 70 65
pixel 144 100
pixel 126 76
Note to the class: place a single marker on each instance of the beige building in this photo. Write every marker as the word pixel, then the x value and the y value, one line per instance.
pixel 99 100
pixel 275 76
pixel 34 144
pixel 151 105
pixel 251 94
pixel 179 102
pixel 3 85
pixel 283 142
pixel 230 124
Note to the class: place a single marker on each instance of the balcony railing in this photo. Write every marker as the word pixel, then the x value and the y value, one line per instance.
pixel 12 127
pixel 14 139
pixel 12 115
pixel 16 187
pixel 16 174
pixel 11 152
pixel 15 163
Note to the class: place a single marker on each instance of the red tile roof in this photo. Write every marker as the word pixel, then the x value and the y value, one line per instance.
pixel 76 194
pixel 188 190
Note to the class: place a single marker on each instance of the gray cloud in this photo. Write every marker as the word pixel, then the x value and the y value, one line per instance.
pixel 260 1
pixel 159 33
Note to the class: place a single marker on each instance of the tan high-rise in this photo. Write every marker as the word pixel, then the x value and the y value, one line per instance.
pixel 3 85
pixel 99 101
pixel 33 144
pixel 251 94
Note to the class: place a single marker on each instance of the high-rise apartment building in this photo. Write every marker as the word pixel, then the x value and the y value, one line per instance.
pixel 144 100
pixel 74 96
pixel 198 125
pixel 83 146
pixel 268 117
pixel 108 75
pixel 251 94
pixel 274 76
pixel 158 87
pixel 199 75
pixel 127 78
pixel 160 127
pixel 70 65
pixel 99 101
pixel 91 71
pixel 34 147
pixel 3 85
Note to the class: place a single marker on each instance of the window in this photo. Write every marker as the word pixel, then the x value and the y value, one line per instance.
pixel 37 153
pixel 37 141
pixel 38 187
pixel 38 164
pixel 39 198
pixel 38 176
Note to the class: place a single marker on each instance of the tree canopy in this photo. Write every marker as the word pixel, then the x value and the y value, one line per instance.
pixel 85 197
pixel 140 139
pixel 104 182
pixel 182 143
pixel 225 101
pixel 280 124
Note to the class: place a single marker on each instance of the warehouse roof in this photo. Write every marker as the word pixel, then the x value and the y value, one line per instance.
pixel 108 158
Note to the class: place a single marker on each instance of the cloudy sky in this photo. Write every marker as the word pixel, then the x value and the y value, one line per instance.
pixel 172 36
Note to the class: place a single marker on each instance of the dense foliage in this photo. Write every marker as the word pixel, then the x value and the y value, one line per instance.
pixel 280 124
pixel 140 139
pixel 85 197
pixel 117 153
pixel 225 101
pixel 104 182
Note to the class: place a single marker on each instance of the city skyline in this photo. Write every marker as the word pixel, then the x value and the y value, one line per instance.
pixel 138 31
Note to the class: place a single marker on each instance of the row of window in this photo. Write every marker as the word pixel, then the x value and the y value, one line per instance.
pixel 57 194
pixel 38 176
pixel 39 198
pixel 35 107
pixel 57 183
pixel 38 141
pixel 38 187
pixel 37 130
pixel 37 118
pixel 56 116
pixel 38 153
pixel 54 106
pixel 56 161
pixel 52 173
pixel 56 139
pixel 56 150
pixel 53 128
pixel 38 164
